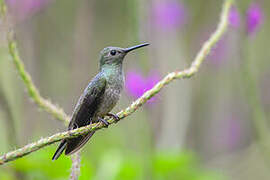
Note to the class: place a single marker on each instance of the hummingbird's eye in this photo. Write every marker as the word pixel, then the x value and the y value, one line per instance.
pixel 113 52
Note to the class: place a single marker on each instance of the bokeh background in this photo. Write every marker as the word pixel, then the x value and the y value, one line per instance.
pixel 210 127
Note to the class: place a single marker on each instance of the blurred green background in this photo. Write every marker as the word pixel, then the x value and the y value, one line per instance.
pixel 208 127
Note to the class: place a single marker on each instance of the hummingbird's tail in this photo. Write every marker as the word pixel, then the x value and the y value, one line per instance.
pixel 60 149
pixel 75 144
pixel 72 145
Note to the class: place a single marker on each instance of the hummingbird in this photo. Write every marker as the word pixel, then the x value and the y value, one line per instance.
pixel 98 98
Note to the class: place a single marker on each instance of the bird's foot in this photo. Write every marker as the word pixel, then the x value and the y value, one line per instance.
pixel 116 118
pixel 75 125
pixel 104 122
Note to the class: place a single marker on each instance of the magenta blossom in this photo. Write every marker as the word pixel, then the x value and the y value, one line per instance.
pixel 254 18
pixel 137 84
pixel 169 14
pixel 234 17
pixel 25 8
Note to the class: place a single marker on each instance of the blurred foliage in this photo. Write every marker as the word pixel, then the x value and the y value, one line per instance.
pixel 111 166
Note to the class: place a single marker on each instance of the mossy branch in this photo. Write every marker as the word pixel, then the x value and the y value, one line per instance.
pixel 33 92
pixel 187 73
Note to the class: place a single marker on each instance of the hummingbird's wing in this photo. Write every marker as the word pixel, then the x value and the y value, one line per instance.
pixel 82 115
pixel 88 103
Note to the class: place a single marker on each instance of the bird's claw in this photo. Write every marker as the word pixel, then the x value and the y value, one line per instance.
pixel 104 122
pixel 114 116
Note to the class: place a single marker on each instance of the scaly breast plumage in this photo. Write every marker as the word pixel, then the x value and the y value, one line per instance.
pixel 110 98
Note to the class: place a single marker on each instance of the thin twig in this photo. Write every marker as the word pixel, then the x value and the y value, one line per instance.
pixel 33 92
pixel 75 168
pixel 187 73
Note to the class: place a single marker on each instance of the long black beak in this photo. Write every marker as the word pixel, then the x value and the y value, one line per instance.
pixel 135 47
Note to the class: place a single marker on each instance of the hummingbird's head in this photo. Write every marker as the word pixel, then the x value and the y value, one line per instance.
pixel 115 55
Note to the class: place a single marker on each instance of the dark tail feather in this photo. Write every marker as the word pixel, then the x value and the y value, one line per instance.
pixel 75 144
pixel 60 150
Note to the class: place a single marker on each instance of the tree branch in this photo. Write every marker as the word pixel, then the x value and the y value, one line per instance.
pixel 187 73
pixel 75 169
pixel 33 92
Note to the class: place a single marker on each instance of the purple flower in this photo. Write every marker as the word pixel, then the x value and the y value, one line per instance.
pixel 254 18
pixel 137 84
pixel 25 8
pixel 234 17
pixel 169 14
